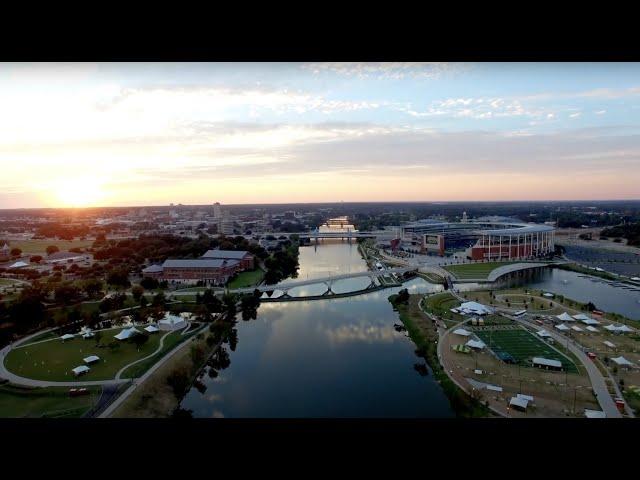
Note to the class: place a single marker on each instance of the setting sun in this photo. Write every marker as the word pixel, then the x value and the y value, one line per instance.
pixel 78 192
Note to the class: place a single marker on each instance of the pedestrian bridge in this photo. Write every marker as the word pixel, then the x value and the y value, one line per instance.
pixel 328 281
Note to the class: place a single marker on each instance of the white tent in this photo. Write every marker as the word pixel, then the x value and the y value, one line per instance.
pixel 618 328
pixel 623 362
pixel 66 336
pixel 546 362
pixel 591 321
pixel 475 308
pixel 543 333
pixel 548 295
pixel 475 344
pixel 518 403
pixel 88 335
pixel 19 264
pixel 609 344
pixel 582 316
pixel 172 322
pixel 592 329
pixel 126 333
pixel 151 329
pixel 565 317
pixel 594 413
pixel 80 370
pixel 528 398
pixel 462 332
pixel 576 328
pixel 86 329
pixel 562 327
pixel 91 359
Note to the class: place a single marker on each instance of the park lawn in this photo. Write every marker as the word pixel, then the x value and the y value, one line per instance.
pixel 247 279
pixel 16 402
pixel 53 360
pixel 172 341
pixel 441 304
pixel 522 346
pixel 7 282
pixel 40 246
pixel 474 270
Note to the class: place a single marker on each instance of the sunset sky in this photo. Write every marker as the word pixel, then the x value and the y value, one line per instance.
pixel 154 134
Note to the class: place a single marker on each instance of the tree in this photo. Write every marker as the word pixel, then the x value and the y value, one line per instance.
pixel 137 292
pixel 139 339
pixel 92 287
pixel 16 252
pixel 149 283
pixel 178 380
pixel 229 300
pixel 98 336
pixel 119 278
pixel 159 300
pixel 66 293
pixel 51 249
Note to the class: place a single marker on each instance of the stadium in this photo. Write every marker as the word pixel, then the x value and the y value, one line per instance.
pixel 491 239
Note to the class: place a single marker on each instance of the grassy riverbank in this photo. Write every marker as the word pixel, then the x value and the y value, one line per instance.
pixel 424 335
pixel 52 402
pixel 573 267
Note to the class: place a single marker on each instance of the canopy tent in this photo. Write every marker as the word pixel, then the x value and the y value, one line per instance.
pixel 582 316
pixel 88 335
pixel 618 328
pixel 86 329
pixel 594 413
pixel 576 328
pixel 151 329
pixel 80 370
pixel 609 344
pixel 475 308
pixel 91 359
pixel 565 317
pixel 172 322
pixel 590 321
pixel 19 264
pixel 546 362
pixel 562 327
pixel 462 332
pixel 66 336
pixel 543 333
pixel 548 295
pixel 621 361
pixel 592 329
pixel 518 403
pixel 126 333
pixel 475 344
pixel 528 398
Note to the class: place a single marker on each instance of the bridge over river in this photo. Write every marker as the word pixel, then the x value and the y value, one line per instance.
pixel 328 281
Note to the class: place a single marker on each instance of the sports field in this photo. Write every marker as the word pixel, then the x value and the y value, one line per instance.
pixel 467 271
pixel 522 346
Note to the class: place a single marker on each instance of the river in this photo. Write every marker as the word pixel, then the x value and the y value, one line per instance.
pixel 323 358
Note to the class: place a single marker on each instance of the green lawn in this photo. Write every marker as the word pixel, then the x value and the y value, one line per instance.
pixel 18 402
pixel 40 246
pixel 7 282
pixel 53 360
pixel 247 279
pixel 467 271
pixel 441 304
pixel 522 346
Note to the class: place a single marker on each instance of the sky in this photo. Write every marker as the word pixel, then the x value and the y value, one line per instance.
pixel 74 135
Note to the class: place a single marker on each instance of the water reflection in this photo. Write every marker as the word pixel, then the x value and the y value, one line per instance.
pixel 324 358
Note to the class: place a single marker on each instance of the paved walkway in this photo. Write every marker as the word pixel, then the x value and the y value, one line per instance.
pixel 114 406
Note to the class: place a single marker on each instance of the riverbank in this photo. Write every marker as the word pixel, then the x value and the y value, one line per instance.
pixel 424 335
pixel 159 397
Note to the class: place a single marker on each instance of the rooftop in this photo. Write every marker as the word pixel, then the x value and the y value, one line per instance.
pixel 226 254
pixel 199 263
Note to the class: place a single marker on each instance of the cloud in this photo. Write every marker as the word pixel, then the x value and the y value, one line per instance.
pixel 575 115
pixel 386 70
pixel 477 108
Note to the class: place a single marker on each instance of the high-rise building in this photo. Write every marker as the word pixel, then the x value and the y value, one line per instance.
pixel 217 210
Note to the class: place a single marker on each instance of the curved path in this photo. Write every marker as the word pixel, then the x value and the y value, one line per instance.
pixel 18 380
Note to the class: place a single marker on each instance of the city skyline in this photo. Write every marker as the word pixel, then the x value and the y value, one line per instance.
pixel 79 135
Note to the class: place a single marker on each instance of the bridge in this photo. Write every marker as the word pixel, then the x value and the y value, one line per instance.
pixel 314 234
pixel 328 281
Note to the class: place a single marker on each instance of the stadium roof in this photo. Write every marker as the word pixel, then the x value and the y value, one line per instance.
pixel 517 228
pixel 199 263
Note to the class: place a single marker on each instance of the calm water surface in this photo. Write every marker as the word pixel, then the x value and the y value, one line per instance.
pixel 324 358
